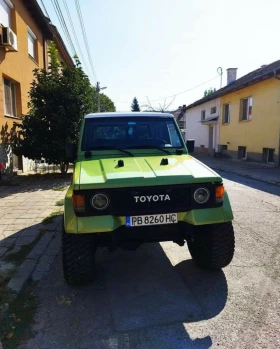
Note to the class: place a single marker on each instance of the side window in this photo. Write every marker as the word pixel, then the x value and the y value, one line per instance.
pixel 6 13
pixel 226 113
pixel 203 115
pixel 246 109
pixel 173 134
pixel 10 108
pixel 32 44
pixel 213 110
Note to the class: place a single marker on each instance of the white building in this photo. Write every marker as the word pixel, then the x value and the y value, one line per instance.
pixel 202 125
pixel 202 120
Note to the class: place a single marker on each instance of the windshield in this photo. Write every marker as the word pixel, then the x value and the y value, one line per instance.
pixel 133 132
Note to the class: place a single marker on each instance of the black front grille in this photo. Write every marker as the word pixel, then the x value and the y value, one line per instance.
pixel 147 200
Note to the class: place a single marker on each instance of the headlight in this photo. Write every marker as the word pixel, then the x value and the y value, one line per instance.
pixel 100 201
pixel 201 195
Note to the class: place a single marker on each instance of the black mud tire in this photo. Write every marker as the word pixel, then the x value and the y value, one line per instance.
pixel 78 258
pixel 212 246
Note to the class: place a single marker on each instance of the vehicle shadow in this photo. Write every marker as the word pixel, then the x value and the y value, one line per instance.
pixel 138 300
pixel 144 282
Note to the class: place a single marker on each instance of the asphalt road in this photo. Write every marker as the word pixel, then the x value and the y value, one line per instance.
pixel 157 298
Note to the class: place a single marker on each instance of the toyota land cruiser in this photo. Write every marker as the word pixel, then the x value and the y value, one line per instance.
pixel 134 182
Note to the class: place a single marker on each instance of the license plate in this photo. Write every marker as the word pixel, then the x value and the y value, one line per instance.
pixel 156 219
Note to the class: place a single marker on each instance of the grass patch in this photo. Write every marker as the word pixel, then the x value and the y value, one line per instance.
pixel 14 327
pixel 50 217
pixel 60 202
pixel 19 256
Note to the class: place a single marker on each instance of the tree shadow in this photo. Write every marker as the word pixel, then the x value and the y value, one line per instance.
pixel 251 182
pixel 34 182
pixel 263 170
pixel 138 297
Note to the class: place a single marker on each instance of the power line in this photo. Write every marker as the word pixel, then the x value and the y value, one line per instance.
pixel 85 36
pixel 44 7
pixel 63 24
pixel 74 32
pixel 177 94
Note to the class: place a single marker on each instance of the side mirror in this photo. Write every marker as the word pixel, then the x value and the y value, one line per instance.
pixel 190 145
pixel 71 151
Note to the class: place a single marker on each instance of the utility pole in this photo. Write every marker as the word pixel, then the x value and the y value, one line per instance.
pixel 220 72
pixel 98 89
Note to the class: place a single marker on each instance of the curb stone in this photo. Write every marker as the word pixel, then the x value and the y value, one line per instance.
pixel 26 269
pixel 247 176
pixel 36 264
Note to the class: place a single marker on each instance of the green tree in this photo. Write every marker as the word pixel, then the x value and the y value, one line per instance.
pixel 59 99
pixel 209 91
pixel 106 104
pixel 135 105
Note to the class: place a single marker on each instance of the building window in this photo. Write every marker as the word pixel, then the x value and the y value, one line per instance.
pixel 226 111
pixel 268 155
pixel 224 147
pixel 213 110
pixel 246 109
pixel 9 98
pixel 242 153
pixel 202 115
pixel 6 13
pixel 32 41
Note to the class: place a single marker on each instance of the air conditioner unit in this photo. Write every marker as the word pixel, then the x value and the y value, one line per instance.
pixel 9 39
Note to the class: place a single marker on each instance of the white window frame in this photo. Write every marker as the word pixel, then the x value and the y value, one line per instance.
pixel 213 110
pixel 32 36
pixel 224 113
pixel 203 115
pixel 249 104
pixel 13 98
pixel 6 6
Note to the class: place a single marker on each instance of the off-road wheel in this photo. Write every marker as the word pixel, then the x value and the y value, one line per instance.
pixel 78 258
pixel 212 246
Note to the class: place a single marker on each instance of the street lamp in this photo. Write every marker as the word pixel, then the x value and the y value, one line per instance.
pixel 98 89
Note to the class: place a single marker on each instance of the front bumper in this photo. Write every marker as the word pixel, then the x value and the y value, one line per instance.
pixel 110 223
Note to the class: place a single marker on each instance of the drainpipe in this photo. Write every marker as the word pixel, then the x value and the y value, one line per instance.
pixel 276 77
pixel 44 55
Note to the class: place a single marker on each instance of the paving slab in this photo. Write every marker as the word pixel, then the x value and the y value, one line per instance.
pixel 20 208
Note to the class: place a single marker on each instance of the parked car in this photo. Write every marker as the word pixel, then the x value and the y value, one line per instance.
pixel 134 182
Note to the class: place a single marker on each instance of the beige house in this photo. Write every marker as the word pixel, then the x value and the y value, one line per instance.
pixel 25 37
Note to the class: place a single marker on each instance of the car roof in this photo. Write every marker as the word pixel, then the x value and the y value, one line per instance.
pixel 129 114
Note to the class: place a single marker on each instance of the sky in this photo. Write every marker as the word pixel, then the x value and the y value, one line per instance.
pixel 153 49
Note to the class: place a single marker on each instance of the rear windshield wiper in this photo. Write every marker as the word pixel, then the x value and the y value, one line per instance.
pixel 149 147
pixel 108 147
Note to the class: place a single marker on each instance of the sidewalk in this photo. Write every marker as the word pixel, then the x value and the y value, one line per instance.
pixel 258 171
pixel 31 217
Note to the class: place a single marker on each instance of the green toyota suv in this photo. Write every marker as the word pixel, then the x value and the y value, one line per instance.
pixel 134 182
